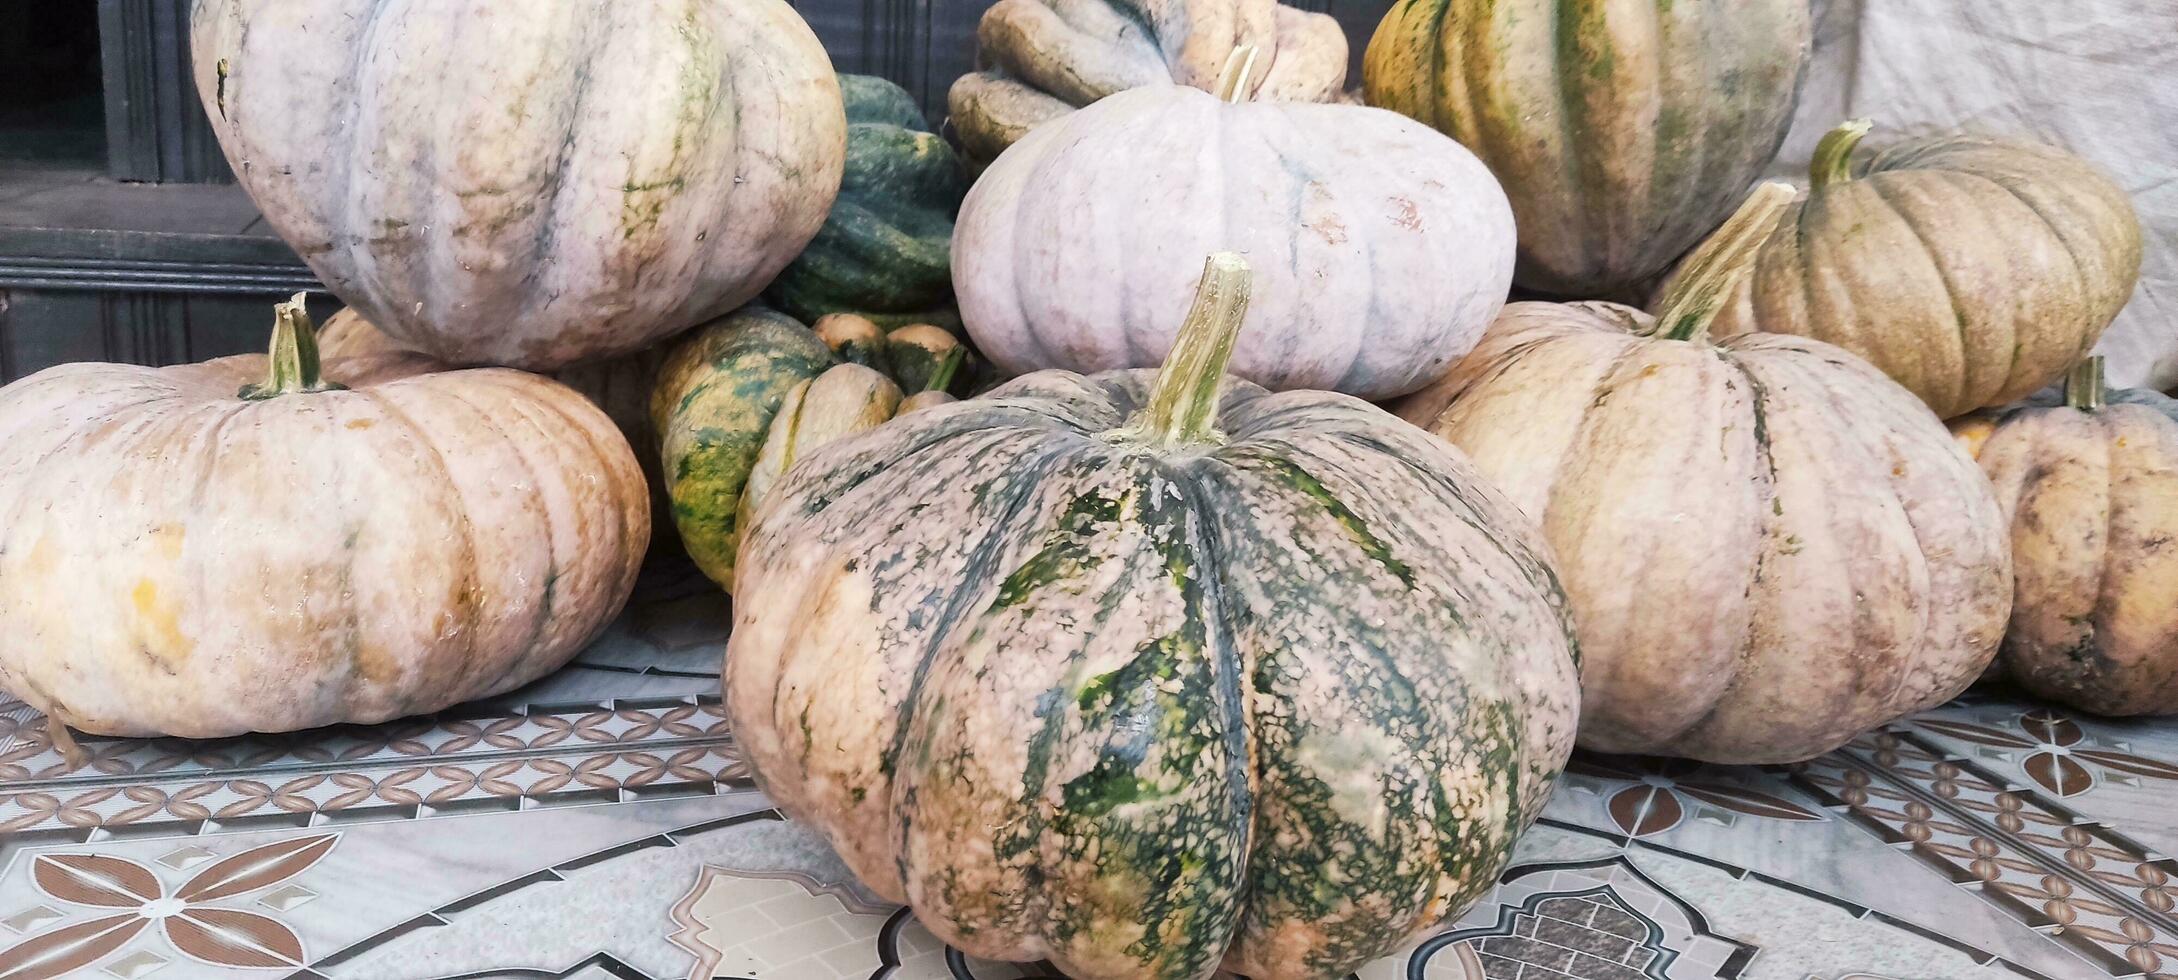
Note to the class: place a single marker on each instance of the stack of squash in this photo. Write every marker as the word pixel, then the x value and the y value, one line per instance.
pixel 1174 653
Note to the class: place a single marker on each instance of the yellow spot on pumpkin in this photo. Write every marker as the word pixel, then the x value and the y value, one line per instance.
pixel 361 423
pixel 1649 371
pixel 158 623
pixel 43 556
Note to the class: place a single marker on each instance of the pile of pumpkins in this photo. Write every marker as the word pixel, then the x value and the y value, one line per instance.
pixel 1176 652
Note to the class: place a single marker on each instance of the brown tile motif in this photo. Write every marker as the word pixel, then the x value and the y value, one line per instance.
pixel 405 769
pixel 130 900
pixel 2086 886
pixel 2058 754
pixel 1600 920
pixel 1650 796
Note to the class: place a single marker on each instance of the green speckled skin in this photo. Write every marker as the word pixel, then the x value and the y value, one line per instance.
pixel 885 252
pixel 714 403
pixel 1279 704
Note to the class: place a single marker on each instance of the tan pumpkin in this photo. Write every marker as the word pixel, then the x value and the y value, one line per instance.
pixel 1623 132
pixel 1972 271
pixel 180 559
pixel 1041 59
pixel 1383 248
pixel 620 386
pixel 533 184
pixel 2089 483
pixel 1770 547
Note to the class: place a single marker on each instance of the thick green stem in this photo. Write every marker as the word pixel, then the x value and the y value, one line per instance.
pixel 1233 78
pixel 1833 163
pixel 2084 387
pixel 292 366
pixel 1183 404
pixel 941 377
pixel 1720 264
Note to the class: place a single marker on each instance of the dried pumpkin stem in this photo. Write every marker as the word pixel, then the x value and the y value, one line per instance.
pixel 1233 78
pixel 1833 163
pixel 293 362
pixel 1718 266
pixel 2084 387
pixel 1183 404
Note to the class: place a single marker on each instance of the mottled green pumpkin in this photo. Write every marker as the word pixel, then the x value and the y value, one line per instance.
pixel 1120 673
pixel 2089 485
pixel 885 251
pixel 1623 132
pixel 743 396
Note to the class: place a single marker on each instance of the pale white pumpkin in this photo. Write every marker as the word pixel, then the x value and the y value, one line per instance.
pixel 1382 248
pixel 178 559
pixel 528 184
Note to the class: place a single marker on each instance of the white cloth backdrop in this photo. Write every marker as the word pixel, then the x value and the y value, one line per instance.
pixel 2099 77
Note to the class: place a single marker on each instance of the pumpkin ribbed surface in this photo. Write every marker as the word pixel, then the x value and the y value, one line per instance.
pixel 2091 494
pixel 1623 132
pixel 1972 271
pixel 528 184
pixel 1281 701
pixel 886 250
pixel 1383 248
pixel 180 561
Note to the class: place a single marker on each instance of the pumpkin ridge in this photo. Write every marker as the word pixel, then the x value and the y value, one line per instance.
pixel 449 495
pixel 1580 167
pixel 1758 404
pixel 1965 382
pixel 2056 231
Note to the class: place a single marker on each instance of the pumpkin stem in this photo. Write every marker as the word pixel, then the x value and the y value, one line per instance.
pixel 941 377
pixel 1183 403
pixel 2084 387
pixel 293 362
pixel 1833 163
pixel 1718 266
pixel 1233 79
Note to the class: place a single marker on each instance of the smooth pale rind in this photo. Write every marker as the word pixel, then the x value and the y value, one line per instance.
pixel 1041 59
pixel 1624 132
pixel 1381 249
pixel 528 184
pixel 1770 547
pixel 1281 703
pixel 1973 272
pixel 175 560
pixel 2092 503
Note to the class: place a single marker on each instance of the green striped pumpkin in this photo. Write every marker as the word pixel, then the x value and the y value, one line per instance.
pixel 1623 132
pixel 885 251
pixel 1120 673
pixel 743 396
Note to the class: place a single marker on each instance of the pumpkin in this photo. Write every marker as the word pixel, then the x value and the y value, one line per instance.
pixel 1972 271
pixel 1139 673
pixel 523 184
pixel 1041 59
pixel 886 250
pixel 1770 547
pixel 2089 484
pixel 738 400
pixel 1383 248
pixel 620 386
pixel 386 538
pixel 1623 133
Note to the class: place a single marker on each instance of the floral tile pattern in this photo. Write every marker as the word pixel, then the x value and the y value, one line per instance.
pixel 130 900
pixel 601 824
